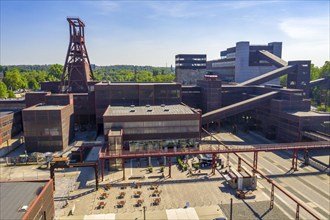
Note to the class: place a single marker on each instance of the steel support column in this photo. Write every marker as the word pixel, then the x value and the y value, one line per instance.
pixel 227 162
pixel 123 167
pixel 96 170
pixel 295 160
pixel 239 167
pixel 297 212
pixel 81 154
pixel 213 164
pixel 169 166
pixel 102 161
pixel 52 175
pixel 255 162
pixel 272 198
pixel 306 157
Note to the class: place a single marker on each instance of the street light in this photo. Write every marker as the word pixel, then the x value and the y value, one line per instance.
pixel 144 212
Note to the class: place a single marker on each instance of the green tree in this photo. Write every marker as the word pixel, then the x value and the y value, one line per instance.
pixel 56 71
pixel 144 76
pixel 283 80
pixel 11 94
pixel 315 72
pixel 3 90
pixel 14 80
pixel 325 70
pixel 320 96
pixel 33 84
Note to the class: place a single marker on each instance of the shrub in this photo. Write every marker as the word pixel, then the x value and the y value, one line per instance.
pixel 196 166
pixel 181 164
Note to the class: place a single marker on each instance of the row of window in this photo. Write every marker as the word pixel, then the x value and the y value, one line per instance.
pixel 160 130
pixel 7 122
pixel 147 124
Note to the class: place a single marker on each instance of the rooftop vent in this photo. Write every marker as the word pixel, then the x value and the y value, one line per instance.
pixel 132 106
pixel 147 106
pixel 162 105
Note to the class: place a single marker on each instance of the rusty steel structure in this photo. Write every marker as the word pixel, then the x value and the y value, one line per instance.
pixel 295 147
pixel 218 150
pixel 77 69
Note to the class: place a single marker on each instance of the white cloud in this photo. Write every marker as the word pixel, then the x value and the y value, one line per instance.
pixel 316 28
pixel 188 9
pixel 244 4
pixel 308 39
pixel 171 9
pixel 103 7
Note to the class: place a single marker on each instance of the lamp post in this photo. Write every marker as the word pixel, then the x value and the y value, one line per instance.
pixel 144 212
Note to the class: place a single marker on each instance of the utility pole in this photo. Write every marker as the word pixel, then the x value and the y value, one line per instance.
pixel 144 212
pixel 231 209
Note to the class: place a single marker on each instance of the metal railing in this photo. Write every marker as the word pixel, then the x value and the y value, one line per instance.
pixel 214 150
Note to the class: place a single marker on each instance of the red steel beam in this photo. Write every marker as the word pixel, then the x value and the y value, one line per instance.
pixel 210 150
pixel 169 166
pixel 213 164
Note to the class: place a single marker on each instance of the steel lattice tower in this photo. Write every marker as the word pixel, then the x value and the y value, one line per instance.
pixel 77 69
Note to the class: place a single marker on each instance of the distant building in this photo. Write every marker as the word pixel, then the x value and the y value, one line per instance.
pixel 243 62
pixel 27 200
pixel 189 68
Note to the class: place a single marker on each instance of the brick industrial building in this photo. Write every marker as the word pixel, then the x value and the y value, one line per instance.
pixel 48 127
pixel 153 123
pixel 248 100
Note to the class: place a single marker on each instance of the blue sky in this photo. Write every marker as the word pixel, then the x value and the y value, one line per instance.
pixel 153 32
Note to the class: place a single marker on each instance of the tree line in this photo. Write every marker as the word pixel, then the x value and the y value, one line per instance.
pixel 29 77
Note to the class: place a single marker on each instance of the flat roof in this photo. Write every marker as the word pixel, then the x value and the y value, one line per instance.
pixel 309 114
pixel 2 113
pixel 15 195
pixel 148 110
pixel 45 107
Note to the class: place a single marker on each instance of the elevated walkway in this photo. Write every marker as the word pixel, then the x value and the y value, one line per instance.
pixel 211 150
pixel 268 76
pixel 238 107
pixel 271 58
